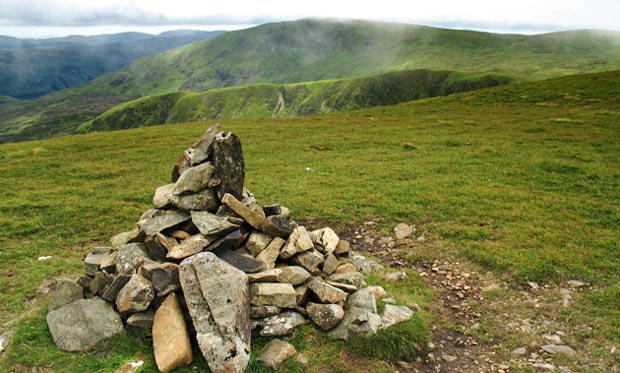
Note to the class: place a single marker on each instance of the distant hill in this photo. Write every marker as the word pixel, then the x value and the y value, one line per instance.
pixel 31 68
pixel 312 50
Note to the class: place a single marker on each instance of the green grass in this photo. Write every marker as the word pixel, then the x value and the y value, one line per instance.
pixel 312 50
pixel 522 179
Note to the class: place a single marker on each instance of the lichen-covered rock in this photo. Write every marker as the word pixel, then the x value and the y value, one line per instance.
pixel 66 291
pixel 128 258
pixel 278 325
pixel 363 298
pixel 325 316
pixel 358 322
pixel 229 164
pixel 195 179
pixel 136 295
pixel 275 353
pixel 395 314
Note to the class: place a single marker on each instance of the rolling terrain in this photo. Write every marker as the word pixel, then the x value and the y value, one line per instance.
pixel 33 68
pixel 518 181
pixel 311 50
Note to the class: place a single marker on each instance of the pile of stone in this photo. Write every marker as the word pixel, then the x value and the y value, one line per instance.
pixel 209 264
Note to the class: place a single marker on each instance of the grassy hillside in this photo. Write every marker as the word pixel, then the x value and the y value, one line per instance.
pixel 522 179
pixel 291 100
pixel 311 50
pixel 32 72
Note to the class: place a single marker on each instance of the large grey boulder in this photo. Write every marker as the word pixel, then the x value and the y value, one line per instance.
pixel 66 291
pixel 356 322
pixel 82 324
pixel 216 295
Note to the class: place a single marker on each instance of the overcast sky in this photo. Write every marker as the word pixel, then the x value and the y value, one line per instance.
pixel 44 18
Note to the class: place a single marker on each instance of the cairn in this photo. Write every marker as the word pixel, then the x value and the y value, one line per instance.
pixel 210 265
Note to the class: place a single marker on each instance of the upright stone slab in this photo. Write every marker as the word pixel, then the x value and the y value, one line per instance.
pixel 171 343
pixel 217 298
pixel 229 164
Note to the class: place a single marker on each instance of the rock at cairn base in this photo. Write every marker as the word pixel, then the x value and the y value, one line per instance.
pixel 171 343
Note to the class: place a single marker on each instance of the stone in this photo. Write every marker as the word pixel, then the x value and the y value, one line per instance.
pixel 195 179
pixel 270 275
pixel 229 164
pixel 100 282
pixel 154 249
pixel 128 259
pixel 271 253
pixel 273 210
pixel 325 292
pixel 344 287
pixel 131 236
pixel 110 292
pixel 163 276
pixel 277 226
pixel 302 359
pixel 272 294
pixel 82 324
pixel 108 263
pixel 330 264
pixel 343 248
pixel 212 225
pixel 171 345
pixel 519 351
pixel 259 312
pixel 294 275
pixel 205 200
pixel 66 291
pixel 298 242
pixel 394 276
pixel 356 322
pixel 142 319
pixel 395 314
pixel 402 231
pixel 275 353
pixel 302 294
pixel 92 262
pixel 257 242
pixel 559 349
pixel 217 298
pixel 190 246
pixel 136 295
pixel 278 325
pixel 179 234
pixel 345 267
pixel 201 149
pixel 240 261
pixel 5 339
pixel 378 291
pixel 325 316
pixel 310 260
pixel 163 196
pixel 326 238
pixel 349 278
pixel 364 299
pixel 366 266
pixel 163 219
pixel 252 217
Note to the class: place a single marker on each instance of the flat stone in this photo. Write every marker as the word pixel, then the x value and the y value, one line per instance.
pixel 270 275
pixel 190 246
pixel 349 278
pixel 128 259
pixel 259 312
pixel 272 294
pixel 163 276
pixel 163 219
pixel 110 292
pixel 310 260
pixel 195 179
pixel 212 225
pixel 171 345
pixel 343 248
pixel 134 235
pixel 402 231
pixel 142 319
pixel 279 325
pixel 217 298
pixel 345 268
pixel 298 242
pixel 136 295
pixel 92 262
pixel 270 254
pixel 242 262
pixel 364 299
pixel 257 242
pixel 326 238
pixel 201 149
pixel 326 293
pixel 229 164
pixel 232 241
pixel 356 322
pixel 345 287
pixel 277 226
pixel 275 353
pixel 205 200
pixel 395 314
pixel 252 217
pixel 66 291
pixel 163 196
pixel 82 324
pixel 559 349
pixel 325 316
pixel 294 275
pixel 330 264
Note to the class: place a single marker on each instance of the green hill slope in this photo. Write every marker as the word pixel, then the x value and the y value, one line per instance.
pixel 291 100
pixel 311 50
